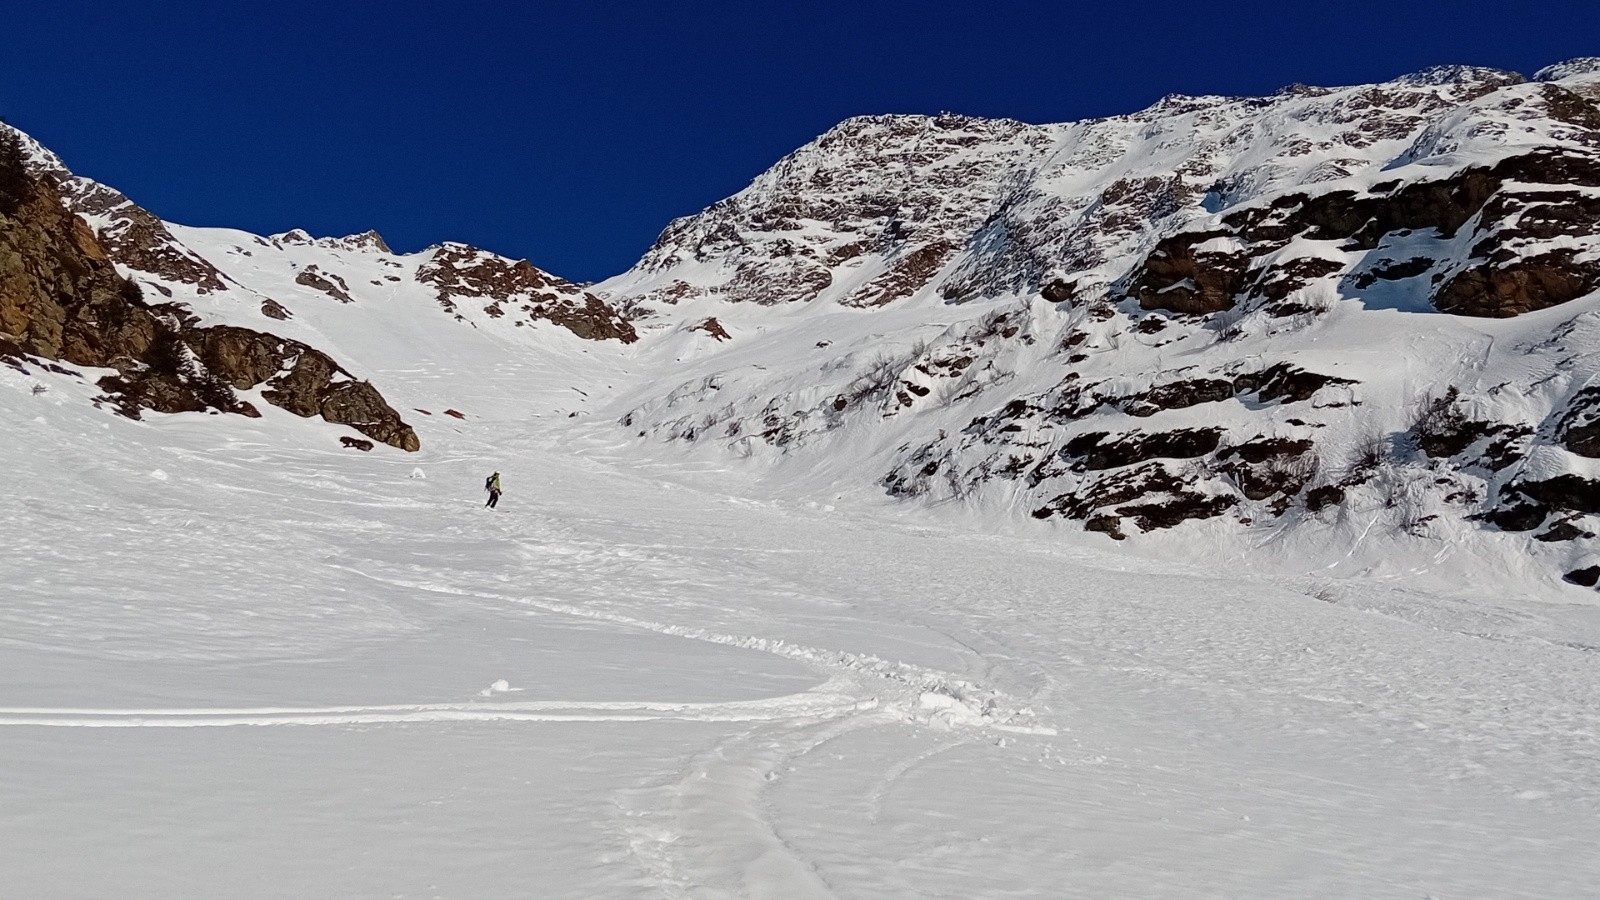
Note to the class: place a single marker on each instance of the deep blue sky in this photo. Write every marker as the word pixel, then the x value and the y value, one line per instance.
pixel 570 133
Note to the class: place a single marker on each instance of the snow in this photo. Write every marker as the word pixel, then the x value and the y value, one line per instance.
pixel 242 661
pixel 264 675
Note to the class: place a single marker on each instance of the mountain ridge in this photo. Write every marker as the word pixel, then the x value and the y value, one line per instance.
pixel 1228 320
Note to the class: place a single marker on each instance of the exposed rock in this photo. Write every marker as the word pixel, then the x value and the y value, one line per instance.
pixel 1580 426
pixel 1191 273
pixel 1285 383
pixel 302 380
pixel 1568 492
pixel 1181 507
pixel 1210 270
pixel 1094 451
pixel 1519 286
pixel 905 276
pixel 327 282
pixel 1320 498
pixel 272 309
pixel 1517 517
pixel 1441 430
pixel 787 278
pixel 355 443
pixel 1179 395
pixel 1564 530
pixel 1588 576
pixel 517 287
pixel 1267 467
pixel 1059 291
pixel 1167 501
pixel 61 298
pixel 713 328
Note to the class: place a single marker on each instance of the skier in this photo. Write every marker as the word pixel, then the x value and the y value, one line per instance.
pixel 492 485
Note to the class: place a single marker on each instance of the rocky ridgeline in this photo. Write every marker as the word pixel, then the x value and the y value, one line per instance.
pixel 62 301
pixel 193 348
pixel 1256 312
pixel 868 214
pixel 520 291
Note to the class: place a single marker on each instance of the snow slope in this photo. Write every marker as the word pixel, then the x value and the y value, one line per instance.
pixel 705 649
pixel 241 664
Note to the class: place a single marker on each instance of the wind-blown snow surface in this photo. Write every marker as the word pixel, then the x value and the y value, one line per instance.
pixel 237 666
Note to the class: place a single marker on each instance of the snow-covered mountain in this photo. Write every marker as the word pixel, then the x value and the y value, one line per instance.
pixel 1318 323
pixel 805 581
pixel 1308 319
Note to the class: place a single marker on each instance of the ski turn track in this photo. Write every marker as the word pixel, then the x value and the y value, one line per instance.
pixel 710 831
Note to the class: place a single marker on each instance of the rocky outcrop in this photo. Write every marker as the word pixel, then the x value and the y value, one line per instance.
pixel 327 282
pixel 302 380
pixel 713 328
pixel 518 289
pixel 62 299
pixel 897 196
pixel 1513 206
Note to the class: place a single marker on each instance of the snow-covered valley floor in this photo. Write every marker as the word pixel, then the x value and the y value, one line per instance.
pixel 232 666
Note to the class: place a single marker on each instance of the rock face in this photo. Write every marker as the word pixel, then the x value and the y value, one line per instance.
pixel 872 210
pixel 518 289
pixel 62 299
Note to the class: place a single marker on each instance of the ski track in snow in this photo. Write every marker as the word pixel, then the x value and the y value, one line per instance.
pixel 810 705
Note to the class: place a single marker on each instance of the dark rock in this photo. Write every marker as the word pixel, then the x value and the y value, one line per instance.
pixel 1501 290
pixel 1440 429
pixel 1185 443
pixel 904 276
pixel 1503 281
pixel 1585 577
pixel 1571 492
pixel 1059 291
pixel 1517 517
pixel 1107 525
pixel 326 282
pixel 1564 530
pixel 1569 107
pixel 302 380
pixel 355 443
pixel 1180 508
pixel 1180 278
pixel 1266 467
pixel 714 328
pixel 459 271
pixel 1320 498
pixel 61 296
pixel 1284 382
pixel 1283 280
pixel 1390 270
pixel 1584 439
